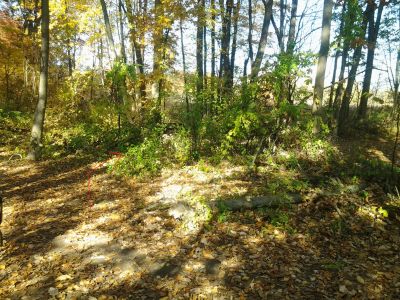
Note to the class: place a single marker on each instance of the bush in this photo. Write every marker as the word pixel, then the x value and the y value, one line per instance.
pixel 141 160
pixel 178 146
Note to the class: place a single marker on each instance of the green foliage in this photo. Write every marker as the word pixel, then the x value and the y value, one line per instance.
pixel 280 219
pixel 120 71
pixel 246 125
pixel 377 121
pixel 339 226
pixel 14 125
pixel 353 20
pixel 223 212
pixel 178 146
pixel 141 160
pixel 378 171
pixel 287 70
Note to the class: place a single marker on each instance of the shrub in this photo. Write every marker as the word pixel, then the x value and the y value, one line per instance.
pixel 141 160
pixel 178 146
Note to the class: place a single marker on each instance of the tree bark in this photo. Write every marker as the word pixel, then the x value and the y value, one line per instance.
pixel 397 80
pixel 345 105
pixel 38 122
pixel 323 56
pixel 373 31
pixel 263 39
pixel 225 46
pixel 108 27
pixel 249 40
pixel 337 55
pixel 213 55
pixel 121 29
pixel 236 10
pixel 282 14
pixel 184 67
pixel 291 43
pixel 138 48
pixel 199 47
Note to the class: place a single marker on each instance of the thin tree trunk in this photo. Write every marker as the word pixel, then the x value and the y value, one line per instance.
pixel 199 47
pixel 121 30
pixel 263 39
pixel 69 54
pixel 323 56
pixel 337 55
pixel 184 67
pixel 213 57
pixel 236 10
pixel 373 32
pixel 397 80
pixel 108 27
pixel 282 14
pixel 345 105
pixel 291 43
pixel 158 34
pixel 137 47
pixel 332 89
pixel 101 55
pixel 205 57
pixel 225 47
pixel 249 40
pixel 38 122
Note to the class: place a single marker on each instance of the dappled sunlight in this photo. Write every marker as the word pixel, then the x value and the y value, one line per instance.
pixel 158 238
pixel 378 154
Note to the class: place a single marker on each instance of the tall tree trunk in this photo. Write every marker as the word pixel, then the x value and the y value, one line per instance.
pixel 291 43
pixel 205 48
pixel 184 67
pixel 397 81
pixel 323 56
pixel 373 31
pixel 337 55
pixel 345 105
pixel 282 14
pixel 213 55
pixel 199 47
pixel 249 40
pixel 332 89
pixel 38 122
pixel 263 39
pixel 121 30
pixel 236 10
pixel 108 27
pixel 158 34
pixel 225 46
pixel 69 52
pixel 341 80
pixel 137 46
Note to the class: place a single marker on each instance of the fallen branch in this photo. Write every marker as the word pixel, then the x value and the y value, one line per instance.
pixel 254 202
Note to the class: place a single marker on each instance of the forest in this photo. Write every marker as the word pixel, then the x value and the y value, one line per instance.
pixel 199 149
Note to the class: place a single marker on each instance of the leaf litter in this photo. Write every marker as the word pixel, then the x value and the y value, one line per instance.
pixel 129 245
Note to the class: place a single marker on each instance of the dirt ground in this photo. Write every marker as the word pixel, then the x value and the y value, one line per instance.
pixel 119 240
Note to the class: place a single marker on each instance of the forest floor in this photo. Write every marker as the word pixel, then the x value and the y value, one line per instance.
pixel 121 241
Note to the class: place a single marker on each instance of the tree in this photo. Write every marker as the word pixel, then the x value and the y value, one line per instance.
pixel 345 105
pixel 373 30
pixel 38 122
pixel 108 27
pixel 249 59
pixel 199 46
pixel 323 56
pixel 224 69
pixel 263 39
